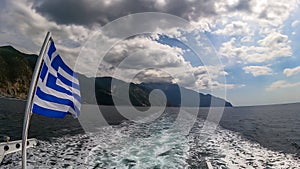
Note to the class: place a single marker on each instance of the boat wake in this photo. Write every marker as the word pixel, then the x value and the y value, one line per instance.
pixel 153 145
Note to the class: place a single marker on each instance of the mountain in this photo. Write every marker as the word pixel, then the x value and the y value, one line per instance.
pixel 103 92
pixel 139 93
pixel 174 93
pixel 16 70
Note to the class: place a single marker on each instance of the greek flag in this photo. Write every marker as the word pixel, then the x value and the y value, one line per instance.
pixel 57 91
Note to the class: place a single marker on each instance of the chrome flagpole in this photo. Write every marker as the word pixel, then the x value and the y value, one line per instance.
pixel 31 92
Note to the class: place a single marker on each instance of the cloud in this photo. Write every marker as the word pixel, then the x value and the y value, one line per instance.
pixel 291 71
pixel 142 58
pixel 23 28
pixel 275 39
pixel 241 5
pixel 258 70
pixel 141 52
pixel 264 13
pixel 273 46
pixel 207 77
pixel 235 28
pixel 281 84
pixel 82 12
pixel 30 19
pixel 274 13
pixel 295 23
pixel 91 12
pixel 152 76
pixel 256 31
pixel 204 14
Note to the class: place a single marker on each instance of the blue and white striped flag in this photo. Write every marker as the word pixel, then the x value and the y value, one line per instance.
pixel 57 92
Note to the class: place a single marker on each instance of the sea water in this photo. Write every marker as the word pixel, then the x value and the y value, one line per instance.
pixel 158 144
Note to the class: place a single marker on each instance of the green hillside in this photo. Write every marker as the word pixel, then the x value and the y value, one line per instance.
pixel 16 69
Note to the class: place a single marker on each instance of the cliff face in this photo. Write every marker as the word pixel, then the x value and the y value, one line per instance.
pixel 16 70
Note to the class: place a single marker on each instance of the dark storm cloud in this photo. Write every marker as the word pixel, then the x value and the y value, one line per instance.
pixel 242 5
pixel 83 12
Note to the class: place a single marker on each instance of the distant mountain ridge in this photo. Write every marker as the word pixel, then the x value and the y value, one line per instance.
pixel 174 93
pixel 139 93
pixel 16 71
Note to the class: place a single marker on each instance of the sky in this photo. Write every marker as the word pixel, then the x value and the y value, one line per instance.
pixel 247 49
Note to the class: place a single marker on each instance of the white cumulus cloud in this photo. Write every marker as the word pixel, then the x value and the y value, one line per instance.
pixel 291 71
pixel 258 70
pixel 273 46
pixel 235 28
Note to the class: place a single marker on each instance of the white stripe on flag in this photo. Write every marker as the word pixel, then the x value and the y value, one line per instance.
pixel 53 106
pixel 67 76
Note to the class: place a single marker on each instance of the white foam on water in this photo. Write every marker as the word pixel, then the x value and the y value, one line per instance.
pixel 228 149
pixel 153 145
pixel 156 150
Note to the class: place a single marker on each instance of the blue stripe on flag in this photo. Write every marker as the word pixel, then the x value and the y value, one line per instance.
pixel 48 112
pixel 67 82
pixel 44 96
pixel 58 62
pixel 51 82
pixel 51 49
pixel 44 71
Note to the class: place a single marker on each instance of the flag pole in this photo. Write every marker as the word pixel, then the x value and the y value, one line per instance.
pixel 29 100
